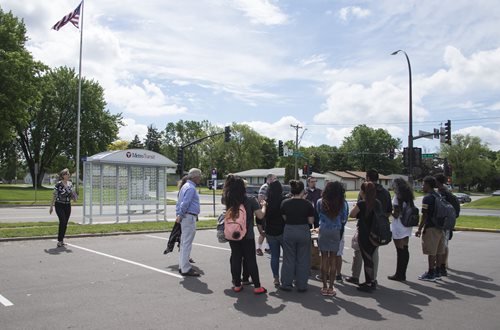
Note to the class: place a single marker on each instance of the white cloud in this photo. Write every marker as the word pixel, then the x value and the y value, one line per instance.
pixel 144 100
pixel 487 135
pixel 261 11
pixel 381 102
pixel 131 128
pixel 478 72
pixel 346 13
pixel 279 130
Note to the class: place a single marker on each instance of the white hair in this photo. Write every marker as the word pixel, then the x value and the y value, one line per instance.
pixel 193 173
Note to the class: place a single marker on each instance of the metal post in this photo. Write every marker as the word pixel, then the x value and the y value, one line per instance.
pixel 410 122
pixel 296 153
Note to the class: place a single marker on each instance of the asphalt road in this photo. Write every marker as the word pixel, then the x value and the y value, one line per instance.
pixel 41 213
pixel 125 282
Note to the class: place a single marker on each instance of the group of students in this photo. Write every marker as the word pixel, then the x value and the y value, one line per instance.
pixel 288 222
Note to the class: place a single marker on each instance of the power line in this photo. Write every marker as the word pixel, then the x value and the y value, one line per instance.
pixel 404 123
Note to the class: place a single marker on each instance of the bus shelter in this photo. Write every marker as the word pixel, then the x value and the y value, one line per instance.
pixel 125 183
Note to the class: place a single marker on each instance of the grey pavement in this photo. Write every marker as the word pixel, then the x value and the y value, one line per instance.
pixel 125 282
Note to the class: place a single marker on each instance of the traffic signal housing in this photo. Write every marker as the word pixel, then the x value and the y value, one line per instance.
pixel 280 148
pixel 227 134
pixel 447 132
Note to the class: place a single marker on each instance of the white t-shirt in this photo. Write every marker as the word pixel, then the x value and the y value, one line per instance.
pixel 398 230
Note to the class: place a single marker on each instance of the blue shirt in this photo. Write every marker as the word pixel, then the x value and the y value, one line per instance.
pixel 328 223
pixel 188 201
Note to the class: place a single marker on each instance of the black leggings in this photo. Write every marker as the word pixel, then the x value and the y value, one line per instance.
pixel 244 249
pixel 63 212
pixel 367 249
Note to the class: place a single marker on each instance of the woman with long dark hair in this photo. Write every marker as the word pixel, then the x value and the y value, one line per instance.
pixel 234 195
pixel 274 227
pixel 298 214
pixel 61 200
pixel 403 197
pixel 332 210
pixel 364 212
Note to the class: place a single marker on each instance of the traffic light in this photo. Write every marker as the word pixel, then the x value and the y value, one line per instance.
pixel 310 170
pixel 180 160
pixel 280 148
pixel 447 132
pixel 417 157
pixel 391 154
pixel 406 158
pixel 227 134
pixel 305 170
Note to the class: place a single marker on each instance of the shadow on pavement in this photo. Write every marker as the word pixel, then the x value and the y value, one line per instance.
pixel 58 250
pixel 432 290
pixel 473 280
pixel 311 299
pixel 401 301
pixel 255 305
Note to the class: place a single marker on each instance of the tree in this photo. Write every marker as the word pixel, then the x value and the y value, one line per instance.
pixel 153 139
pixel 18 75
pixel 118 145
pixel 468 158
pixel 368 148
pixel 51 122
pixel 135 143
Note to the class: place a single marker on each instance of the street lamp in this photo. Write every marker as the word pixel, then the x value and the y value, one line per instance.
pixel 410 124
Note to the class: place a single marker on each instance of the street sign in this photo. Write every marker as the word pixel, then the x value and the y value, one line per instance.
pixel 424 134
pixel 214 173
pixel 298 153
pixel 287 152
pixel 427 156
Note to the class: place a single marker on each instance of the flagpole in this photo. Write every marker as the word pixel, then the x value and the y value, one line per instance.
pixel 79 102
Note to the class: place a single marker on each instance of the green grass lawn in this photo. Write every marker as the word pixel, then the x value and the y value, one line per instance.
pixel 478 222
pixel 492 202
pixel 37 229
pixel 25 195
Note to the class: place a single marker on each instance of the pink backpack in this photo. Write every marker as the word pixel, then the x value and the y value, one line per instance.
pixel 236 228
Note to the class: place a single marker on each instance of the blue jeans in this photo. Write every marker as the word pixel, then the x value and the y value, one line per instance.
pixel 275 243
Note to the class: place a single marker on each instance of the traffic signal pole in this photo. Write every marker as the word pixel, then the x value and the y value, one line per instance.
pixel 180 149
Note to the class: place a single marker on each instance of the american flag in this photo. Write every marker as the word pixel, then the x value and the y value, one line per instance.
pixel 73 17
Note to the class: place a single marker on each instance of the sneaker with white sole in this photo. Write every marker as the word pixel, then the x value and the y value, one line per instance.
pixel 428 276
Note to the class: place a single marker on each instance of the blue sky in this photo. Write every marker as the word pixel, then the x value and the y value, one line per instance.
pixel 324 65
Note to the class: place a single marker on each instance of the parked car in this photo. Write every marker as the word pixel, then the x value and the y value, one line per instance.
pixel 496 193
pixel 252 191
pixel 462 198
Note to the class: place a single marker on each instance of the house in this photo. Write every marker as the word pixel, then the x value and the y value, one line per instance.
pixel 384 180
pixel 258 176
pixel 350 181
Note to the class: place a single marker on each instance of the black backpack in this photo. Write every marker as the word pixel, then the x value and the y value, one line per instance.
pixel 453 200
pixel 409 215
pixel 444 216
pixel 380 232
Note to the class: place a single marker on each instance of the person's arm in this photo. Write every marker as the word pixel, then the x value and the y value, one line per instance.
pixel 310 220
pixel 354 212
pixel 184 204
pixel 423 218
pixel 261 213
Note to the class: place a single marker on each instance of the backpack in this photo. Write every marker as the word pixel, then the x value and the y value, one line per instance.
pixel 380 232
pixel 444 216
pixel 453 200
pixel 409 215
pixel 220 228
pixel 236 228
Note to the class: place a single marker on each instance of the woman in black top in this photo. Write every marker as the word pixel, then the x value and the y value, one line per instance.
pixel 364 211
pixel 61 199
pixel 274 226
pixel 234 194
pixel 298 214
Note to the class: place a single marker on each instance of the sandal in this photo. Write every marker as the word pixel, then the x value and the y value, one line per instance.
pixel 324 292
pixel 332 292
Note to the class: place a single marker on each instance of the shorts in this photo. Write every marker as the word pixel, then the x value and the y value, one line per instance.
pixel 340 252
pixel 433 241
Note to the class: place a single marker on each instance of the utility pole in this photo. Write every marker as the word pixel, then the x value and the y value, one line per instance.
pixel 296 153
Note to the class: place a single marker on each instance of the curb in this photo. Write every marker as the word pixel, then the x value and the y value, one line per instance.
pixel 484 230
pixel 118 233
